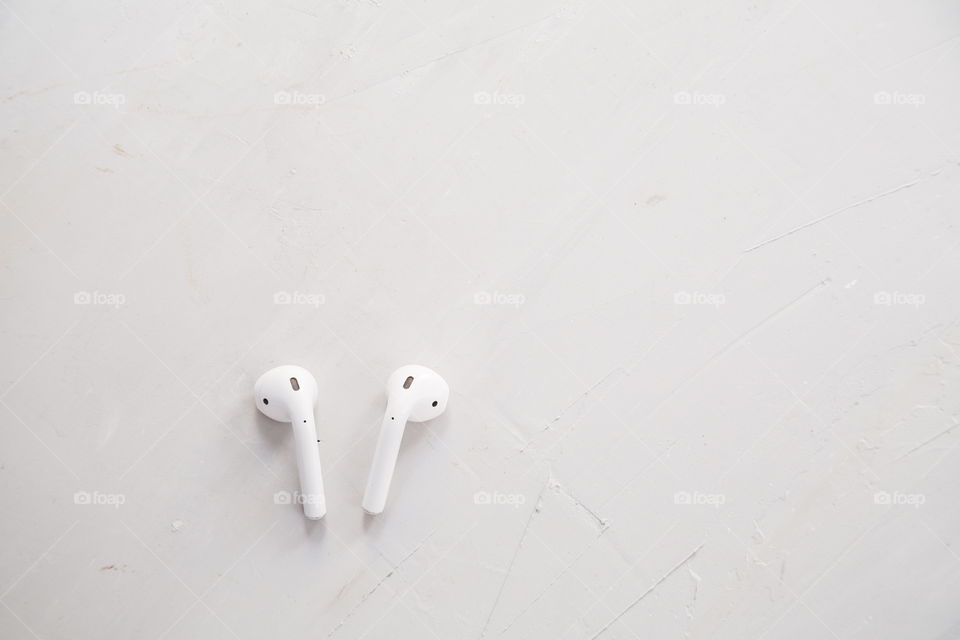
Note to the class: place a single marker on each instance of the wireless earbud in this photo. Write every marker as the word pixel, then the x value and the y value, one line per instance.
pixel 416 394
pixel 289 394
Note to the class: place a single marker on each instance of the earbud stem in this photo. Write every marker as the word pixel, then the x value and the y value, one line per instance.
pixel 384 460
pixel 308 464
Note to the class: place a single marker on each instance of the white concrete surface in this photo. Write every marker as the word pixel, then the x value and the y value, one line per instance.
pixel 690 269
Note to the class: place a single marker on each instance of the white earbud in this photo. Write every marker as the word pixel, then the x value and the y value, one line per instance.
pixel 416 394
pixel 289 394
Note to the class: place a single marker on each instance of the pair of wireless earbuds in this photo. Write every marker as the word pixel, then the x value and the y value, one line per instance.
pixel 289 394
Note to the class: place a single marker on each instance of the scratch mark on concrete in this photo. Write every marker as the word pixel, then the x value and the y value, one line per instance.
pixel 929 440
pixel 555 580
pixel 733 343
pixel 595 518
pixel 758 533
pixel 379 583
pixel 690 608
pixel 19 94
pixel 441 58
pixel 513 559
pixel 583 396
pixel 835 212
pixel 652 588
